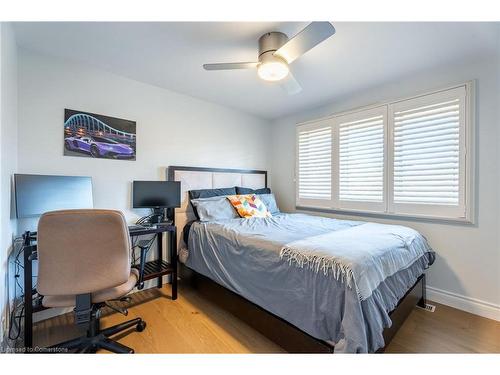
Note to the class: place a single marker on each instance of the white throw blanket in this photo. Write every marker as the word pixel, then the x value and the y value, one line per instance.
pixel 361 256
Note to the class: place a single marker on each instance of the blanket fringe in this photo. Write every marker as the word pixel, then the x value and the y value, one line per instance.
pixel 338 270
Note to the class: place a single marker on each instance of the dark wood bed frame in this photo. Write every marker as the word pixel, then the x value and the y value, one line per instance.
pixel 283 333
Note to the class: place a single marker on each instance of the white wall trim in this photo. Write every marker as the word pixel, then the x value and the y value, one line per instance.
pixel 458 301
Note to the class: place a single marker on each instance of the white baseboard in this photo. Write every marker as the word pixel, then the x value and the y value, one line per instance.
pixel 458 301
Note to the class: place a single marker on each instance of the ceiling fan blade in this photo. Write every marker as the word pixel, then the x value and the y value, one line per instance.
pixel 228 66
pixel 290 85
pixel 309 37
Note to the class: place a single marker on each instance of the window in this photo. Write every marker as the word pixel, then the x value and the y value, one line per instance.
pixel 411 157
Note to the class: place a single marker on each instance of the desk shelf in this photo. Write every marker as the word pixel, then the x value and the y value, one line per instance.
pixel 155 268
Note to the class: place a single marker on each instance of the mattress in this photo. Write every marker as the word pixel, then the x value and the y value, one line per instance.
pixel 243 255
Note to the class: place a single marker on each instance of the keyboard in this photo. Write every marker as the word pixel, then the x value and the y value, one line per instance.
pixel 131 228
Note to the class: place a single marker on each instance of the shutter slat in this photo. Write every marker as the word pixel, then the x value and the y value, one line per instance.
pixel 429 107
pixel 365 153
pixel 424 183
pixel 361 132
pixel 422 145
pixel 433 175
pixel 417 140
pixel 427 124
pixel 326 146
pixel 373 139
pixel 428 155
pixel 420 119
pixel 423 133
pixel 428 110
pixel 434 160
pixel 441 194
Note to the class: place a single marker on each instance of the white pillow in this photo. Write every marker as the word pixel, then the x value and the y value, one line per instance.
pixel 270 201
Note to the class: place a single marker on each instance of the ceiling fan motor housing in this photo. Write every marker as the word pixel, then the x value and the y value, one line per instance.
pixel 276 52
pixel 270 42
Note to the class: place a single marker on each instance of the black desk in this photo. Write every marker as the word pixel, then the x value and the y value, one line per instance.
pixel 153 269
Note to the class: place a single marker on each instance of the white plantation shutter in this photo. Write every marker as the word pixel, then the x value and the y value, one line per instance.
pixel 314 164
pixel 361 155
pixel 411 158
pixel 428 154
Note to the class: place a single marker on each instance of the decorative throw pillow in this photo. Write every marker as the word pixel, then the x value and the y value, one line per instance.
pixel 243 190
pixel 249 206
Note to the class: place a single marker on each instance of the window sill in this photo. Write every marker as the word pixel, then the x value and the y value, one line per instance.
pixel 407 217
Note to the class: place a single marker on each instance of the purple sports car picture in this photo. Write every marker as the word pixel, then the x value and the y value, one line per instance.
pixel 97 136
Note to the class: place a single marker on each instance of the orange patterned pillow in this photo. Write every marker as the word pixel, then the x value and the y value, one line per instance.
pixel 249 206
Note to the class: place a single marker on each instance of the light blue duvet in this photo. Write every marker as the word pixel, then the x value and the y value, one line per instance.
pixel 337 280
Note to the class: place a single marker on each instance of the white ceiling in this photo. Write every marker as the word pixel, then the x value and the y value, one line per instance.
pixel 171 54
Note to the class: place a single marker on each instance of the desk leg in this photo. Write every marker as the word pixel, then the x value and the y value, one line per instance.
pixel 28 300
pixel 159 238
pixel 173 262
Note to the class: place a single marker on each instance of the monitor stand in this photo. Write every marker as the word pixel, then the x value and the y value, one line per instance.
pixel 158 215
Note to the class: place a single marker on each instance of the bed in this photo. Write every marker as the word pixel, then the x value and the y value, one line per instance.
pixel 255 269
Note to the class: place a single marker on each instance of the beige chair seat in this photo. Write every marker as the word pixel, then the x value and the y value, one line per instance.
pixel 100 296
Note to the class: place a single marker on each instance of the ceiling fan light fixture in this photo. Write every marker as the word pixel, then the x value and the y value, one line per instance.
pixel 276 52
pixel 273 70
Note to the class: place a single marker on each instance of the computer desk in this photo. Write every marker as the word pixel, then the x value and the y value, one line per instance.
pixel 156 268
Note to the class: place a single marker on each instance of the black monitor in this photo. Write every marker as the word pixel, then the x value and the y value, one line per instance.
pixel 37 194
pixel 156 194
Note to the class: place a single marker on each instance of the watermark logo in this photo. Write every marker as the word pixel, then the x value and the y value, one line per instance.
pixel 34 349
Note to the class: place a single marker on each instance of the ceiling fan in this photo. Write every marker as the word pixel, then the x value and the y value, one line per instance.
pixel 276 52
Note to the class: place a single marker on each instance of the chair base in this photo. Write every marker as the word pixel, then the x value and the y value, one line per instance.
pixel 99 339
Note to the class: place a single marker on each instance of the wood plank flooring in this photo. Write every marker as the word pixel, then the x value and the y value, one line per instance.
pixel 192 324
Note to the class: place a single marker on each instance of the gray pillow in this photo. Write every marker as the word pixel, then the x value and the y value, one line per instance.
pixel 207 193
pixel 214 208
pixel 270 201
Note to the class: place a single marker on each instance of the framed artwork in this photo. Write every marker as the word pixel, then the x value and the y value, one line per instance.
pixel 96 136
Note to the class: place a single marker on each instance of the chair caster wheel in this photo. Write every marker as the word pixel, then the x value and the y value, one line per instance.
pixel 141 326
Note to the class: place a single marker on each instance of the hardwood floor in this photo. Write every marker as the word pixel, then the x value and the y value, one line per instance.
pixel 192 324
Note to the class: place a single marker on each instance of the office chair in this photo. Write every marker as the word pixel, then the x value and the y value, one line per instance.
pixel 84 261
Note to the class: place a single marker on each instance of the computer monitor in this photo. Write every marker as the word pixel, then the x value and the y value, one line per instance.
pixel 37 194
pixel 156 194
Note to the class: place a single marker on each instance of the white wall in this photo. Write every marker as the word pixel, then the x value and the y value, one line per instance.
pixel 8 156
pixel 466 273
pixel 172 129
pixel 498 119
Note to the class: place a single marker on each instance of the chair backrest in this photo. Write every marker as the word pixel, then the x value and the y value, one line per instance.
pixel 82 251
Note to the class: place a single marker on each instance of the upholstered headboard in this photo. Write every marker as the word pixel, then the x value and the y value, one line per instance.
pixel 194 178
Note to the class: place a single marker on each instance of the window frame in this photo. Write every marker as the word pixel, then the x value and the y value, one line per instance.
pixel 464 213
